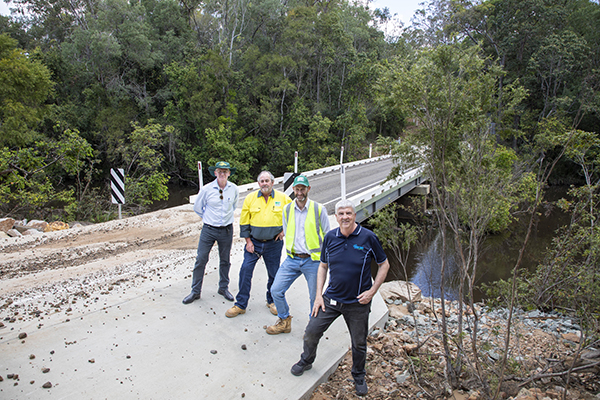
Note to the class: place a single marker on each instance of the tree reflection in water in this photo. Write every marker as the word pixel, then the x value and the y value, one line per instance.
pixel 427 273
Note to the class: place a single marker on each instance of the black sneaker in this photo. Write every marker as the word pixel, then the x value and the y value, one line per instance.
pixel 299 368
pixel 361 387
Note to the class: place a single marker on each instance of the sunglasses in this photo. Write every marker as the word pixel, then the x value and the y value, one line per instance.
pixel 221 193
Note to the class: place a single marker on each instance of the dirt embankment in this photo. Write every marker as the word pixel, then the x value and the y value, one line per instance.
pixel 31 261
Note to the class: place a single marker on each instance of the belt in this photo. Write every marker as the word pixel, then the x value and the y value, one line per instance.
pixel 263 241
pixel 301 255
pixel 218 227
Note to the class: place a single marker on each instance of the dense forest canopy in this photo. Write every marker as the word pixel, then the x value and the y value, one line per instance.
pixel 154 86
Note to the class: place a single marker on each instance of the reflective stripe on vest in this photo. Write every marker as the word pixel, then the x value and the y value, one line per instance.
pixel 313 232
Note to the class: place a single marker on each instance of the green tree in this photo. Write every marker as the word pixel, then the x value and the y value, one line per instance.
pixel 354 126
pixel 316 147
pixel 111 69
pixel 559 63
pixel 199 95
pixel 141 158
pixel 54 20
pixel 545 44
pixel 568 278
pixel 31 178
pixel 433 25
pixel 396 236
pixel 475 182
pixel 263 79
pixel 24 88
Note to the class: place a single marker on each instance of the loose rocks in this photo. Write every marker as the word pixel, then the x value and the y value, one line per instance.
pixel 6 224
pixel 56 226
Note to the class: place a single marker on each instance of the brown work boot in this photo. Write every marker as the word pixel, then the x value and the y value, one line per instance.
pixel 234 312
pixel 272 308
pixel 282 326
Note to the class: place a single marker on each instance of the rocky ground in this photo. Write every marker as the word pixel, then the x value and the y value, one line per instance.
pixel 72 271
pixel 34 260
pixel 405 360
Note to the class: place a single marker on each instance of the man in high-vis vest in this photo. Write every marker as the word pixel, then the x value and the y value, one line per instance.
pixel 305 223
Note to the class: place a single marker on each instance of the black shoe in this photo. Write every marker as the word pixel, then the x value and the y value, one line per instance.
pixel 361 387
pixel 225 293
pixel 191 297
pixel 299 368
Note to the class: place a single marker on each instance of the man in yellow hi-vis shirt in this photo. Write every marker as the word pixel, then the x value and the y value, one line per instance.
pixel 261 224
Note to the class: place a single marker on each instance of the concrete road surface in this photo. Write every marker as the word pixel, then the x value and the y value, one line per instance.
pixel 145 344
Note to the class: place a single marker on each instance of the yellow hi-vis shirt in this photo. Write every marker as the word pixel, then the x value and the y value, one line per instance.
pixel 263 220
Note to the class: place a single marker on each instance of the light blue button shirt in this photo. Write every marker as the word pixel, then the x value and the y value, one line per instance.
pixel 214 210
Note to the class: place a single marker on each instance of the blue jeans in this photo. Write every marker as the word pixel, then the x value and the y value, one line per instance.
pixel 271 254
pixel 356 316
pixel 289 271
pixel 208 236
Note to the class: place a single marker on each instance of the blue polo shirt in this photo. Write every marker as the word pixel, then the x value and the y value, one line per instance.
pixel 349 262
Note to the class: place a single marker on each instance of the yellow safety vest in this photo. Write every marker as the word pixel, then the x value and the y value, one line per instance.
pixel 313 231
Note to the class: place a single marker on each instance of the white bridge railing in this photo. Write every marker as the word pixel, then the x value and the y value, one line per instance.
pixel 374 199
pixel 254 185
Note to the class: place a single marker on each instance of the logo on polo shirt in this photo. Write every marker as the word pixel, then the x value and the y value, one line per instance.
pixel 278 204
pixel 357 247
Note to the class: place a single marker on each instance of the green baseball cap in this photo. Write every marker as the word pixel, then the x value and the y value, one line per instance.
pixel 301 180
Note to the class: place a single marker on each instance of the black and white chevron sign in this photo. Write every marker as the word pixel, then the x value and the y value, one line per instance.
pixel 117 185
pixel 288 179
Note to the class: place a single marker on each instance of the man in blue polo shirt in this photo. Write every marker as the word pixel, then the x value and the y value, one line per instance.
pixel 346 253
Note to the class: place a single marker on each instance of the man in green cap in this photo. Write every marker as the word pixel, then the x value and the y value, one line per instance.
pixel 305 223
pixel 215 203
